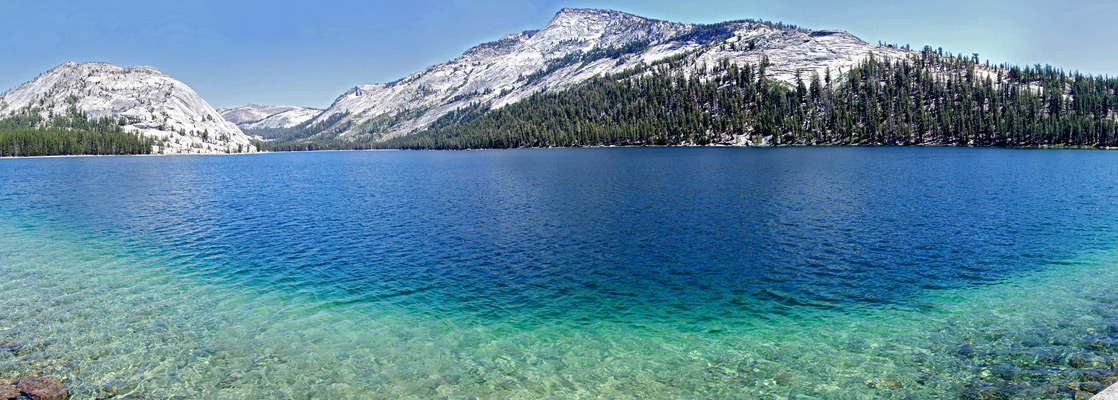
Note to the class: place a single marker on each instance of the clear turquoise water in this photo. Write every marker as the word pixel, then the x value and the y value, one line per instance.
pixel 620 273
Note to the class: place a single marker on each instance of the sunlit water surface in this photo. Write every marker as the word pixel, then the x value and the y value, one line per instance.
pixel 793 273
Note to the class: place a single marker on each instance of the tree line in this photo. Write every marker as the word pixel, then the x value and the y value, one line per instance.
pixel 28 133
pixel 926 98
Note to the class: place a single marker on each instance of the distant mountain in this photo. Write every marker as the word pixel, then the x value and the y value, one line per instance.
pixel 144 100
pixel 256 117
pixel 576 45
pixel 599 77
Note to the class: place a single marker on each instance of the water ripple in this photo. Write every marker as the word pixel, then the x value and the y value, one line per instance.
pixel 573 273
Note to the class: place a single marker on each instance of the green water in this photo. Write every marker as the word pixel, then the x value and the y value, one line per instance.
pixel 830 273
pixel 114 319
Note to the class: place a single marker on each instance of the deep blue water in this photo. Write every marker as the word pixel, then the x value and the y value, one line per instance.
pixel 709 241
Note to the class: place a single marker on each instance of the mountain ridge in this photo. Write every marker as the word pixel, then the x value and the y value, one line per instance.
pixel 143 99
pixel 256 116
pixel 577 44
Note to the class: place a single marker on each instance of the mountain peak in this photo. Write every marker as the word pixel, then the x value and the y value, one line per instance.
pixel 588 27
pixel 583 12
pixel 95 66
pixel 66 66
pixel 145 69
pixel 579 11
pixel 588 15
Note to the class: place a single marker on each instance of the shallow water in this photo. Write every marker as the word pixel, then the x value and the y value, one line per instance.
pixel 621 273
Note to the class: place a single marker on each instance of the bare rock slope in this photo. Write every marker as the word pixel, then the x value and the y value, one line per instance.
pixel 147 101
pixel 576 45
pixel 255 116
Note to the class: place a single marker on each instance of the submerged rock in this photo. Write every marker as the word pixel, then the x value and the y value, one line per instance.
pixel 1104 377
pixel 1101 344
pixel 1083 360
pixel 1091 387
pixel 229 381
pixel 984 392
pixel 42 388
pixel 887 383
pixel 966 350
pixel 784 378
pixel 8 392
pixel 108 393
pixel 10 345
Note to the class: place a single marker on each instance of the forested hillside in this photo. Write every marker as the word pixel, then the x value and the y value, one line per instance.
pixel 30 134
pixel 928 98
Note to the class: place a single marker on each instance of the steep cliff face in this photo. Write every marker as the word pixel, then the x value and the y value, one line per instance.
pixel 145 100
pixel 576 45
pixel 255 116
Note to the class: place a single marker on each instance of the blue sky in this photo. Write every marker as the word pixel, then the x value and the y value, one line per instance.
pixel 234 52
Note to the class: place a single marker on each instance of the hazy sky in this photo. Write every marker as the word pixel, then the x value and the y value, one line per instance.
pixel 307 53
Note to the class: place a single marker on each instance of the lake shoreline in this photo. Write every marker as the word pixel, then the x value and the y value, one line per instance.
pixel 713 145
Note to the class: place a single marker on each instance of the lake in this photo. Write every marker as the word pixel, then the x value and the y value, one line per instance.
pixel 772 273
